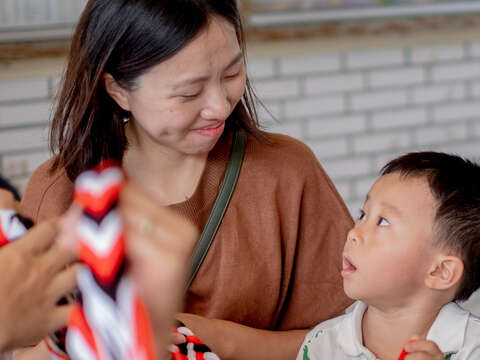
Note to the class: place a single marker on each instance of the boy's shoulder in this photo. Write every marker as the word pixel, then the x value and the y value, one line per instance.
pixel 327 328
pixel 334 339
pixel 472 332
pixel 340 329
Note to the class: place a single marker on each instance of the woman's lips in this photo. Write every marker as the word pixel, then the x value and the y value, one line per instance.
pixel 347 267
pixel 211 130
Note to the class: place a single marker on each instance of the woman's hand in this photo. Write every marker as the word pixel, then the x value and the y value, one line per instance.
pixel 34 276
pixel 232 341
pixel 159 244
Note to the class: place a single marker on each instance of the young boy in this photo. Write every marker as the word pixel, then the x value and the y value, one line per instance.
pixel 413 252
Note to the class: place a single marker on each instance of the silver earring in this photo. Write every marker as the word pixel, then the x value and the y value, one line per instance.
pixel 126 119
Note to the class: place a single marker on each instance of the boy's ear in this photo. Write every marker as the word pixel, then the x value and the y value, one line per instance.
pixel 445 272
pixel 117 93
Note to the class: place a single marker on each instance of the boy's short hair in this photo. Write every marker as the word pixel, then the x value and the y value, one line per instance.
pixel 455 184
pixel 5 184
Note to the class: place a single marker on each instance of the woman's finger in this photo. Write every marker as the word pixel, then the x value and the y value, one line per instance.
pixel 57 258
pixel 59 317
pixel 67 228
pixel 64 282
pixel 39 239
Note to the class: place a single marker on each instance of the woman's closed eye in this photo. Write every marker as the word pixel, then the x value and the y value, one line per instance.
pixel 189 96
pixel 232 76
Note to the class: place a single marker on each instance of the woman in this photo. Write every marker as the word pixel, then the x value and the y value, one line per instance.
pixel 161 86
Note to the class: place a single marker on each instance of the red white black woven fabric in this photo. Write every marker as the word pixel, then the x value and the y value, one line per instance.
pixel 111 321
pixel 11 226
pixel 192 348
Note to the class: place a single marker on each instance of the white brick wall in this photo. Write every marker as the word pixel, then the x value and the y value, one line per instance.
pixel 379 100
pixel 475 49
pixel 350 167
pixel 356 109
pixel 32 138
pixel 381 142
pixel 334 83
pixel 330 148
pixel 24 114
pixel 439 93
pixel 309 64
pixel 456 71
pixel 398 118
pixel 359 109
pixel 277 89
pixel 441 134
pixel 25 89
pixel 437 53
pixel 476 130
pixel 397 77
pixel 336 126
pixel 261 68
pixel 375 58
pixel 314 106
pixel 453 112
pixel 22 164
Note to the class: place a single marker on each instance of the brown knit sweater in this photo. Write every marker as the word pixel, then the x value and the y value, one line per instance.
pixel 275 261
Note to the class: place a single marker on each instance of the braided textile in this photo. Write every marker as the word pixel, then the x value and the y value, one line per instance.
pixel 192 348
pixel 110 320
pixel 11 226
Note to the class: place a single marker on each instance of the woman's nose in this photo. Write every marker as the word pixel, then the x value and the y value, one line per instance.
pixel 217 106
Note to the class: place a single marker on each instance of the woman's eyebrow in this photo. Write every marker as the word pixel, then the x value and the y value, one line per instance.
pixel 198 79
pixel 235 60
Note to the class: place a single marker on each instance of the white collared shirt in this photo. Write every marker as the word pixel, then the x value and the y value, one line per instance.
pixel 455 331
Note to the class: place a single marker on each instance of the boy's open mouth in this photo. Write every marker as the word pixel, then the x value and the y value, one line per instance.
pixel 348 266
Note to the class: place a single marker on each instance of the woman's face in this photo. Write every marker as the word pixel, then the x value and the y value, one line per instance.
pixel 182 103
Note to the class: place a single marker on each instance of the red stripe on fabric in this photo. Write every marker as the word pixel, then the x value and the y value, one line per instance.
pixel 104 268
pixel 144 335
pixel 78 320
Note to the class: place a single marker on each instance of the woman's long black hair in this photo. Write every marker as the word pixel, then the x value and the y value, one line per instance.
pixel 125 38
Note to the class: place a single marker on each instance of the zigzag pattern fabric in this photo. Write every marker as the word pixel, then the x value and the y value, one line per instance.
pixel 192 348
pixel 110 321
pixel 11 226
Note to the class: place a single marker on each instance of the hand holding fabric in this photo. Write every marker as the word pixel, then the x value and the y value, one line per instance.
pixel 34 278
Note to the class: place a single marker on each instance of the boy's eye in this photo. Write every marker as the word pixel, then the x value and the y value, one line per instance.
pixel 361 215
pixel 383 222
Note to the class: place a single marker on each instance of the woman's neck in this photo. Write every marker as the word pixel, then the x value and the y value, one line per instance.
pixel 386 331
pixel 168 175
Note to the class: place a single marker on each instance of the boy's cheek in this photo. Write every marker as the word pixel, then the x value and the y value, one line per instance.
pixel 7 201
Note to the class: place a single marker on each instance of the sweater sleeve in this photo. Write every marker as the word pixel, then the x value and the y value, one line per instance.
pixel 48 194
pixel 313 248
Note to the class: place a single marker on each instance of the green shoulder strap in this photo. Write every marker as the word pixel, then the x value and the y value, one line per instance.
pixel 448 357
pixel 220 205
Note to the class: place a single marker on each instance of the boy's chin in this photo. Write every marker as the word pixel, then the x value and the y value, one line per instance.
pixel 351 293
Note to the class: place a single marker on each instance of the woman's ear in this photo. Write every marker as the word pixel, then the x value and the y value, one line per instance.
pixel 445 272
pixel 116 92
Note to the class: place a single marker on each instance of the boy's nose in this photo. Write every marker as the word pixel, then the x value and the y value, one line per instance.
pixel 353 236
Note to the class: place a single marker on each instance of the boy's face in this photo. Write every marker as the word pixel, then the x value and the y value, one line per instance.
pixel 388 252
